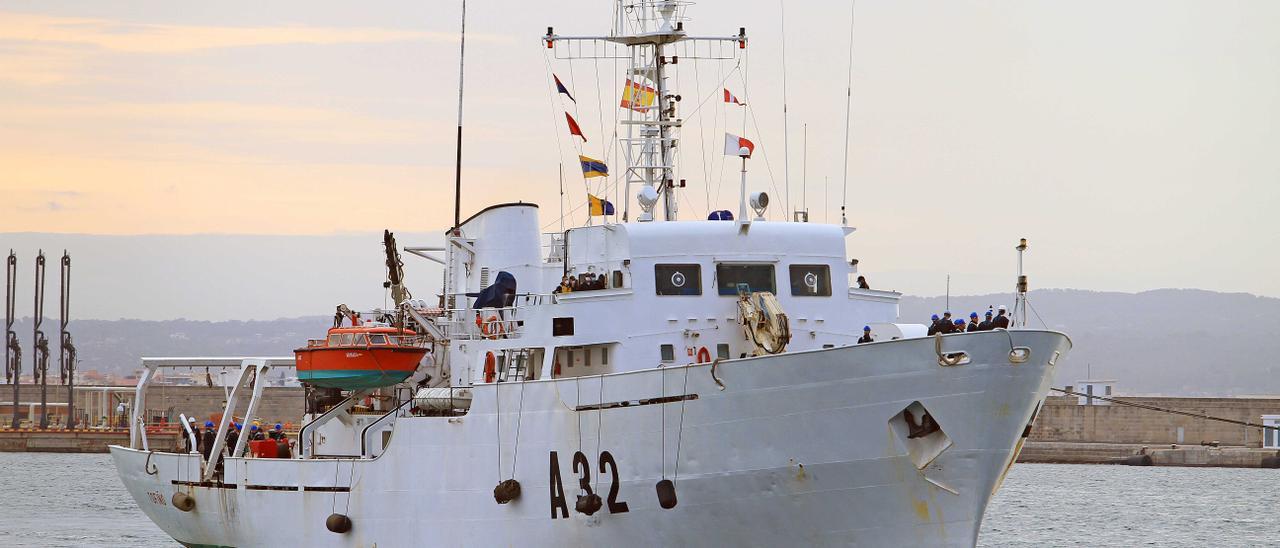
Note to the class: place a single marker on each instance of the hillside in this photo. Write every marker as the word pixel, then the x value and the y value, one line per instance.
pixel 1175 342
pixel 1167 341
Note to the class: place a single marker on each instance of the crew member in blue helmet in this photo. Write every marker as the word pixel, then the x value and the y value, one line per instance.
pixel 973 322
pixel 207 438
pixel 933 325
pixel 959 326
pixel 944 325
pixel 986 323
pixel 277 432
pixel 233 436
pixel 255 433
pixel 866 335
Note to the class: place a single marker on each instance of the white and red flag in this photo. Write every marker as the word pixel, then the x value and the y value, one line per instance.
pixel 731 98
pixel 734 144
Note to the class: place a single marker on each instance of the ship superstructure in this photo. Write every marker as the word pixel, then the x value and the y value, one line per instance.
pixel 702 385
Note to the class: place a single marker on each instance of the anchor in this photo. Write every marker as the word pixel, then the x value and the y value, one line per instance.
pixel 927 425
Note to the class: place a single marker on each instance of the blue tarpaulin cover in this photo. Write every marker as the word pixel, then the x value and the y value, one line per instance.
pixel 501 294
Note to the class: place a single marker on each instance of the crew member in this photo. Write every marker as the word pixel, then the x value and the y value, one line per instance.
pixel 986 323
pixel 959 326
pixel 866 335
pixel 1001 321
pixel 277 432
pixel 206 440
pixel 255 433
pixel 862 283
pixel 233 436
pixel 944 325
pixel 933 324
pixel 186 439
pixel 973 322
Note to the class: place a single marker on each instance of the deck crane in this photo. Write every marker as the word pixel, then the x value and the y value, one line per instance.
pixel 395 270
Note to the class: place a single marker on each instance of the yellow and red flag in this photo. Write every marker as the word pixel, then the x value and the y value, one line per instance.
pixel 637 96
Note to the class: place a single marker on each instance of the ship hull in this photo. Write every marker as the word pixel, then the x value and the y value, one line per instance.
pixel 807 447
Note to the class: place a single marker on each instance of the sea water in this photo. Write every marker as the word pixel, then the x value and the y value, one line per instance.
pixel 56 500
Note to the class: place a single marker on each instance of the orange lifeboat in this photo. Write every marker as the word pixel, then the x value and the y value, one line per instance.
pixel 361 356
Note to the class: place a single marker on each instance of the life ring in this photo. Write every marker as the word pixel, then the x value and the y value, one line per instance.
pixel 491 327
pixel 490 367
pixel 704 355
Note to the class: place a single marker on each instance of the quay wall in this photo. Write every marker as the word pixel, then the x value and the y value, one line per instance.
pixel 279 404
pixel 1062 419
pixel 26 440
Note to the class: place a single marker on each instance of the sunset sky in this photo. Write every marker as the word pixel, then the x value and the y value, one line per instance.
pixel 1135 143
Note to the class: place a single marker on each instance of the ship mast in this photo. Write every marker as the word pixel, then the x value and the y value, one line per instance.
pixel 649 30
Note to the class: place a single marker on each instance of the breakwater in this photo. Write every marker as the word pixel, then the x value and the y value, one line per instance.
pixel 1071 430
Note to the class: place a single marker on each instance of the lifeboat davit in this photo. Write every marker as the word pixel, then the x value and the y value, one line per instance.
pixel 359 357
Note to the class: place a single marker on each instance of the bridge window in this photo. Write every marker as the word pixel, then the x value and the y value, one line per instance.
pixel 731 278
pixel 677 279
pixel 810 280
pixel 668 353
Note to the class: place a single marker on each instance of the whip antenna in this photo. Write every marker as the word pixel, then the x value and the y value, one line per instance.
pixel 848 100
pixel 786 146
pixel 457 167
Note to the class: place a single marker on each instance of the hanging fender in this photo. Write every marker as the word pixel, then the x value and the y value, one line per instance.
pixel 490 367
pixel 704 355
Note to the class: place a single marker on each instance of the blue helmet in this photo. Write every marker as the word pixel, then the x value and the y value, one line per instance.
pixel 239 426
pixel 208 424
pixel 935 316
pixel 253 428
pixel 973 314
pixel 279 426
pixel 988 312
pixel 866 328
pixel 959 322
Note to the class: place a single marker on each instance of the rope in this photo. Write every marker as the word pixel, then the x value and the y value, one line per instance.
pixel 497 407
pixel 1033 311
pixel 555 124
pixel 599 427
pixel 1167 410
pixel 664 421
pixel 577 393
pixel 351 481
pixel 333 507
pixel 680 428
pixel 515 451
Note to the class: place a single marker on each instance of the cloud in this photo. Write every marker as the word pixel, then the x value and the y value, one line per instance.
pixel 167 38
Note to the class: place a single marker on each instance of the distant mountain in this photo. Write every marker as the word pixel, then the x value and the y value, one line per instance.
pixel 1169 341
pixel 116 346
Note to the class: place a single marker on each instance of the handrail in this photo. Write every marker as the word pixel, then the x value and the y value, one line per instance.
pixel 304 439
pixel 364 434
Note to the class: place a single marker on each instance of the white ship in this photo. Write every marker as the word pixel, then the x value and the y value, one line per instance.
pixel 706 389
